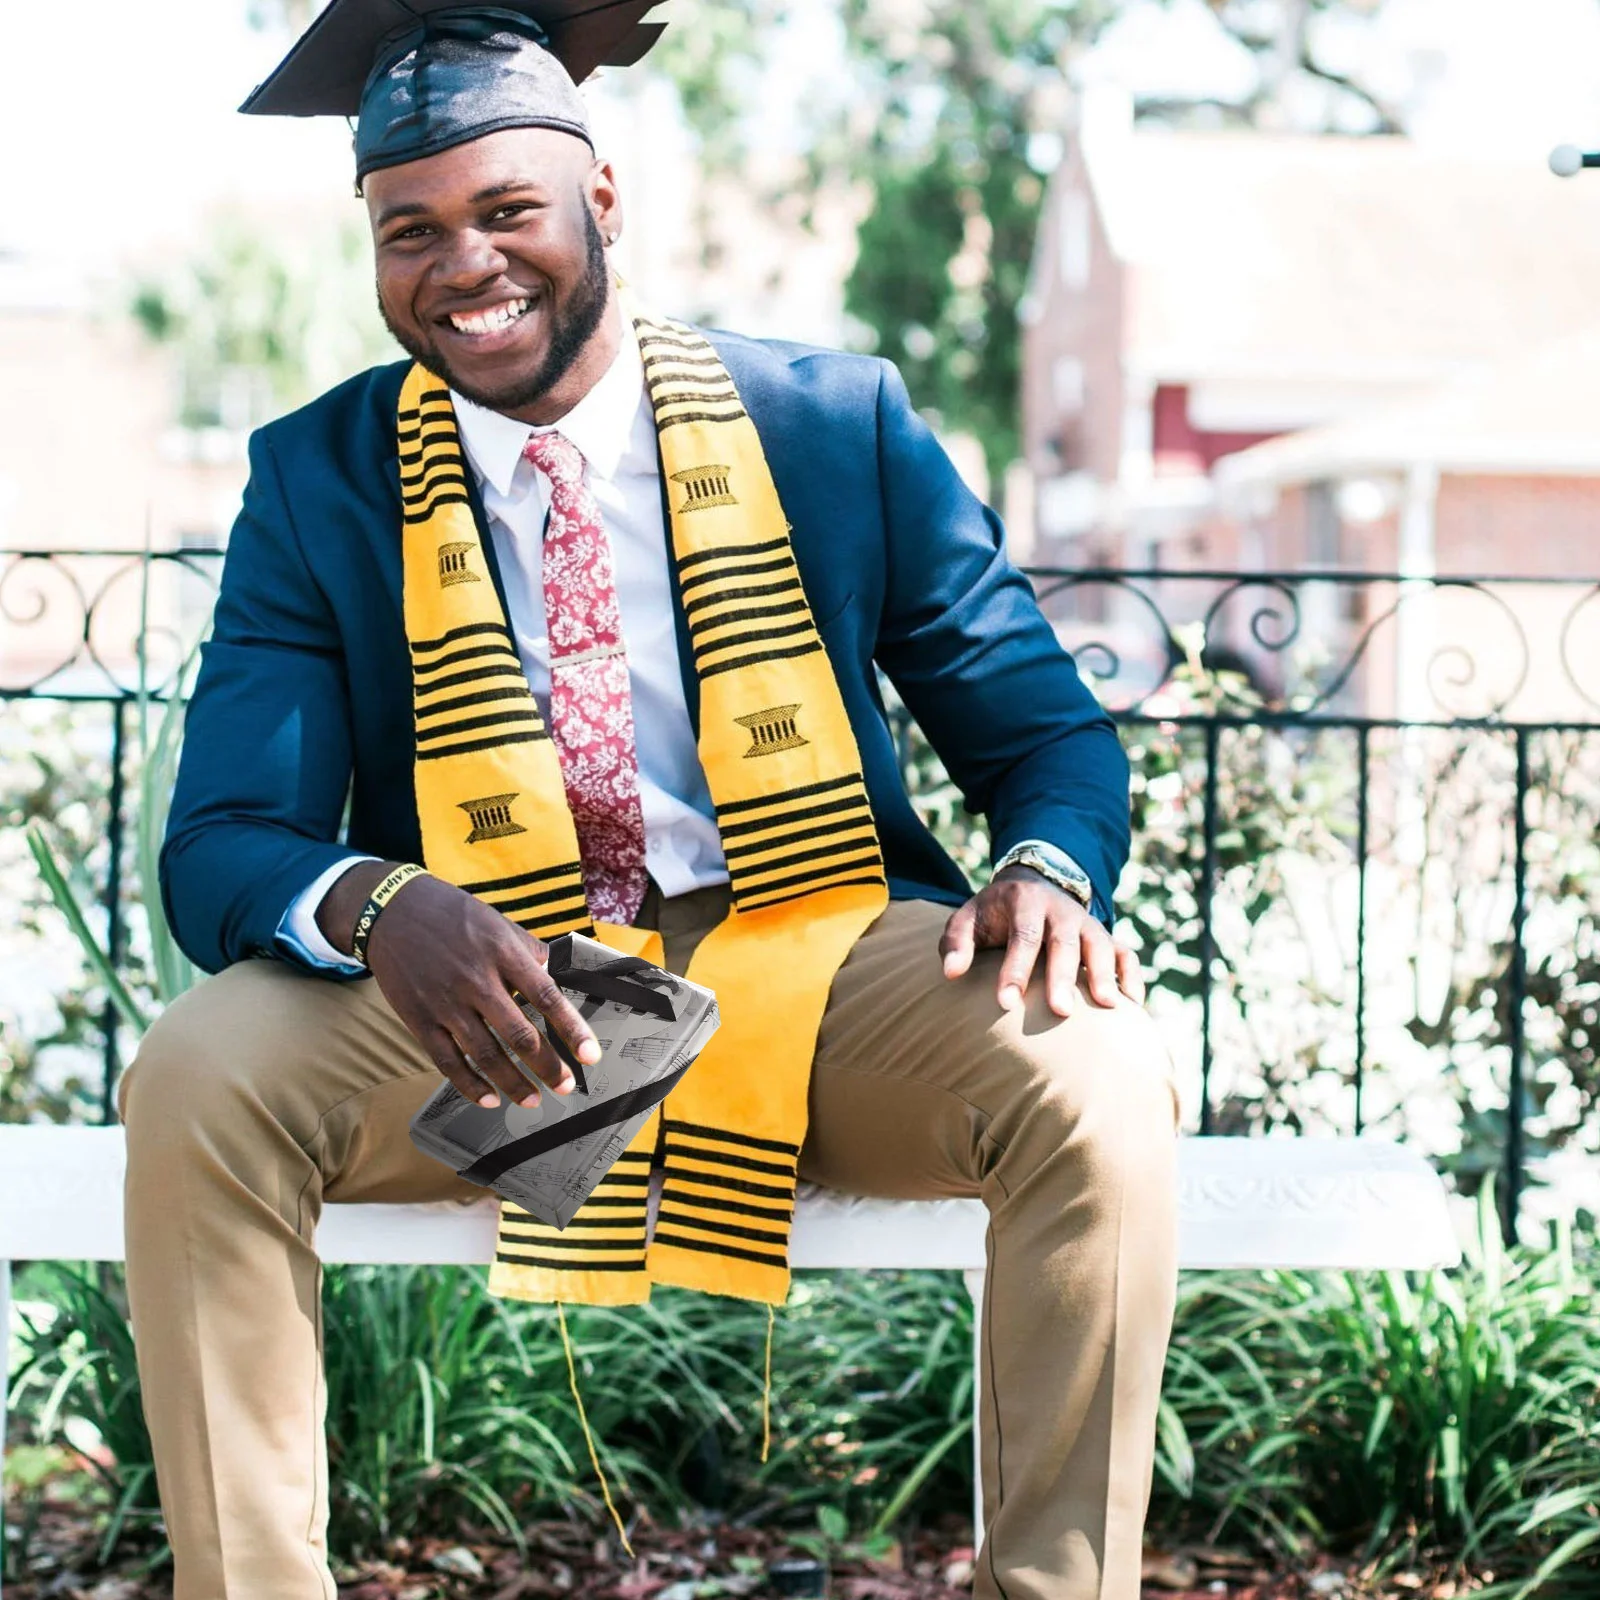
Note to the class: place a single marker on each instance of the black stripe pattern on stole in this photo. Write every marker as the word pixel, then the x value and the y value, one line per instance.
pixel 685 378
pixel 744 603
pixel 547 902
pixel 794 842
pixel 433 471
pixel 731 1194
pixel 470 692
pixel 607 1235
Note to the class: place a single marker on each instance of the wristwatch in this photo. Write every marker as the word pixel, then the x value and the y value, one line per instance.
pixel 1053 865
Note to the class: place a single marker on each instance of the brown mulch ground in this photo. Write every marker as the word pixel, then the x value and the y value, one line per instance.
pixel 567 1562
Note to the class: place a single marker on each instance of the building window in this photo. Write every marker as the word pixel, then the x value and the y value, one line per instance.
pixel 1066 385
pixel 1074 243
pixel 1322 525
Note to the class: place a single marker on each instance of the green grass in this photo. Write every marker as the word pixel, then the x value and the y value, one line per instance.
pixel 471 1410
pixel 78 1367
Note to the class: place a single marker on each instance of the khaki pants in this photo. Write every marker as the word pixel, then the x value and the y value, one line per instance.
pixel 265 1092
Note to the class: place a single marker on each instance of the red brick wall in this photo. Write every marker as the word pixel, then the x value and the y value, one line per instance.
pixel 1522 526
pixel 1547 527
pixel 1085 324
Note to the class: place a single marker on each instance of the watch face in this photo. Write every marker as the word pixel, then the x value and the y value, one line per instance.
pixel 1061 870
pixel 1055 863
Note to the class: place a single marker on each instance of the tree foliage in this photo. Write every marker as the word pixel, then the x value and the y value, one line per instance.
pixel 954 119
pixel 951 118
pixel 945 251
pixel 261 323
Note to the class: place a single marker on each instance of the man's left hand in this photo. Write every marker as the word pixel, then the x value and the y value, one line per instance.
pixel 1024 914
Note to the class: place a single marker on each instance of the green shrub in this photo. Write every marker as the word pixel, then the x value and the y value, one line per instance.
pixel 1381 1413
pixel 442 1399
pixel 444 1403
pixel 78 1367
pixel 1372 1414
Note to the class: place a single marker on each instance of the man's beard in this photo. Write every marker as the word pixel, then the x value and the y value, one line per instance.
pixel 572 324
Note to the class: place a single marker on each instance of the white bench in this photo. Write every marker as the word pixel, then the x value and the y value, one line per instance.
pixel 1306 1203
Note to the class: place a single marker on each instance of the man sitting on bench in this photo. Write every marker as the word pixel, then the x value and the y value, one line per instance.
pixel 578 610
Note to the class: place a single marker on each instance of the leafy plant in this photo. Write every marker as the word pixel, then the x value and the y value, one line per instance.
pixel 157 743
pixel 832 1542
pixel 1378 1415
pixel 436 1407
pixel 78 1368
pixel 446 1404
pixel 261 322
pixel 53 764
pixel 1388 1414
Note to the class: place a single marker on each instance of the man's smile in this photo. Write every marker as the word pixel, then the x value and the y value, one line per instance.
pixel 487 328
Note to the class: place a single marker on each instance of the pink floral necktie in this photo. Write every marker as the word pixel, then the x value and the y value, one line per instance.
pixel 591 708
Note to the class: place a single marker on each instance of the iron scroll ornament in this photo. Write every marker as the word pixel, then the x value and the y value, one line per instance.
pixel 91 637
pixel 1250 622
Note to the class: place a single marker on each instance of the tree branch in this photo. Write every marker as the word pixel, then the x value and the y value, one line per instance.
pixel 1389 120
pixel 1239 112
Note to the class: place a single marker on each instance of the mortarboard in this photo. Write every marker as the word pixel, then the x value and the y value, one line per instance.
pixel 423 75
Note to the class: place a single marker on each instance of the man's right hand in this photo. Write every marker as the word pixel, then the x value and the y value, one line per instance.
pixel 449 964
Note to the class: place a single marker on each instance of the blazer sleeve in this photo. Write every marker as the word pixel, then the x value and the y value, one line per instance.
pixel 266 761
pixel 970 653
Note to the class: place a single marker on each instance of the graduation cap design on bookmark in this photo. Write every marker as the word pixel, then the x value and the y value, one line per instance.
pixel 423 75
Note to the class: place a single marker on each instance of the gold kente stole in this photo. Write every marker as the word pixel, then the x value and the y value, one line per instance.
pixel 780 757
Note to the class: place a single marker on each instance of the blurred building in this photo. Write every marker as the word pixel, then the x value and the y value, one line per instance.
pixel 1494 473
pixel 90 460
pixel 102 443
pixel 1355 301
pixel 86 457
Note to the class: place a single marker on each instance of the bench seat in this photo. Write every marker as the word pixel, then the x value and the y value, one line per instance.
pixel 1308 1203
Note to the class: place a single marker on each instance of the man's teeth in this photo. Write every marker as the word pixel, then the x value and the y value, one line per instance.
pixel 489 321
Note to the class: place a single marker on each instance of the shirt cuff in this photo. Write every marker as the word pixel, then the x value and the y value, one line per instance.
pixel 298 934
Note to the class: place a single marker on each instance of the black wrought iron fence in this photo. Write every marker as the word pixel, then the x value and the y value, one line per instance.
pixel 1365 883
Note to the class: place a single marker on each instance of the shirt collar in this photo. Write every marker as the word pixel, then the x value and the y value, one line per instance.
pixel 604 424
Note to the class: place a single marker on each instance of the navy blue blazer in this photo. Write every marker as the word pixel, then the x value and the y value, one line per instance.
pixel 303 700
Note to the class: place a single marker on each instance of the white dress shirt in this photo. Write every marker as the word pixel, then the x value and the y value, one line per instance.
pixel 615 430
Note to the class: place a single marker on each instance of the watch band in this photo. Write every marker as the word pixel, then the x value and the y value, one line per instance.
pixel 1055 867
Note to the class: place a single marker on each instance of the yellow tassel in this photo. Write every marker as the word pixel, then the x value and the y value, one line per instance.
pixel 583 1422
pixel 766 1392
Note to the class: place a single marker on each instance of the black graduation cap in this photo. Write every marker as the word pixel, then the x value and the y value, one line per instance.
pixel 423 75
